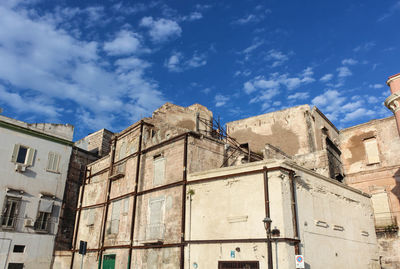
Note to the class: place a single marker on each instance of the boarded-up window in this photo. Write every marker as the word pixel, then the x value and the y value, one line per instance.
pixel 125 207
pixel 53 162
pixel 159 170
pixel 90 217
pixel 371 150
pixel 380 203
pixel 116 206
pixel 155 229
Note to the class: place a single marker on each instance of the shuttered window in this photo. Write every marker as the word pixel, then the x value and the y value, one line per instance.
pixel 380 203
pixel 23 155
pixel 53 162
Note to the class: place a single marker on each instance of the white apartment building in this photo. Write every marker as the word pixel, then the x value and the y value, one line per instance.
pixel 34 164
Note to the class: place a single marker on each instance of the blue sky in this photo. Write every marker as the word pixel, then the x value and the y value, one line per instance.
pixel 106 64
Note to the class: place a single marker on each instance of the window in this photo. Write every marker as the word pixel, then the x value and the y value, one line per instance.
pixel 19 248
pixel 159 170
pixel 23 155
pixel 90 216
pixel 116 206
pixel 10 212
pixel 53 162
pixel 155 228
pixel 383 215
pixel 371 150
pixel 43 219
pixel 13 265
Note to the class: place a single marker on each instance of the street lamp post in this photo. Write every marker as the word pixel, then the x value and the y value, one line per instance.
pixel 267 225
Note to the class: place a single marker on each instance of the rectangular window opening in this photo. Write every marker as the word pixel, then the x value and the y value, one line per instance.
pixel 10 212
pixel 19 248
pixel 371 150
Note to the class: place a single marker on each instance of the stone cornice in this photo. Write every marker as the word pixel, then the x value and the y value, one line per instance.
pixel 393 102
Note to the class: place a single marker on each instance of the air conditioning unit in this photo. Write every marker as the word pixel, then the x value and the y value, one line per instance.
pixel 28 222
pixel 20 167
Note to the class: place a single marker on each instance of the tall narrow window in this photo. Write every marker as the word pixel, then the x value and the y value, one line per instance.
pixel 371 150
pixel 155 228
pixel 159 170
pixel 53 162
pixel 44 215
pixel 116 207
pixel 10 212
pixel 383 215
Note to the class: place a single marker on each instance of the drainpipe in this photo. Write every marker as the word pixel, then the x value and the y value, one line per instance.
pixel 110 172
pixel 184 178
pixel 267 215
pixel 393 101
pixel 294 211
pixel 136 190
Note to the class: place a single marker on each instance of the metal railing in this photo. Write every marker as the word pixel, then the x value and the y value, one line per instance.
pixel 155 232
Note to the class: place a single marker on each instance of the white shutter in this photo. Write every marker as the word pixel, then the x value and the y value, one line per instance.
pixel 50 161
pixel 380 203
pixel 156 214
pixel 15 153
pixel 29 156
pixel 90 216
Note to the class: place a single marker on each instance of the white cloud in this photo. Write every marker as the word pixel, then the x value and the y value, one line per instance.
pixel 29 104
pixel 162 29
pixel 220 100
pixel 299 96
pixel 330 100
pixel 365 47
pixel 259 83
pixel 177 62
pixel 349 61
pixel 124 43
pixel 357 114
pixel 376 86
pixel 39 58
pixel 192 16
pixel 326 77
pixel 277 57
pixel 343 72
pixel 391 11
pixel 252 47
pixel 248 19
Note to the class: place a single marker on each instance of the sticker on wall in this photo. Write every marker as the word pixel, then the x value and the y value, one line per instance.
pixel 232 254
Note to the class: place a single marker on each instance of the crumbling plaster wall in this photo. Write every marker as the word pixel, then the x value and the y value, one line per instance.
pixel 285 129
pixel 380 177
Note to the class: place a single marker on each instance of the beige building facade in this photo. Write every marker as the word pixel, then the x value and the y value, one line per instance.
pixel 153 202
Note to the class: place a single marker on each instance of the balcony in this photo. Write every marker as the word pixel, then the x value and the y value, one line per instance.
pixel 155 233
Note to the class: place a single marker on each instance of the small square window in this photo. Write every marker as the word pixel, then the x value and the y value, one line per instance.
pixel 19 248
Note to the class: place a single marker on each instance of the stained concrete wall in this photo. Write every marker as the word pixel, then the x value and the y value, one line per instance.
pixel 382 177
pixel 333 219
pixel 32 184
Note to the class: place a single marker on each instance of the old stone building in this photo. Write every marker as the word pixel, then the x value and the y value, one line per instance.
pixel 139 206
pixel 372 164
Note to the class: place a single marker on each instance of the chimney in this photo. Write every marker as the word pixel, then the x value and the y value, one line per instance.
pixel 393 101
